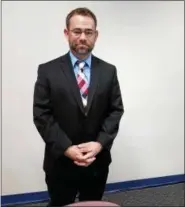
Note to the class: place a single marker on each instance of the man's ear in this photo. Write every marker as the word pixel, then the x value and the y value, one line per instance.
pixel 66 33
pixel 97 34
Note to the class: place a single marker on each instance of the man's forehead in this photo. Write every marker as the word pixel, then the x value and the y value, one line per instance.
pixel 87 27
pixel 83 22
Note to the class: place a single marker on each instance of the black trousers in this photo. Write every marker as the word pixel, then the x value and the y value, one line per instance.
pixel 64 183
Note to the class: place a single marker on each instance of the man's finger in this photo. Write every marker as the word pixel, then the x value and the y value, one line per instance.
pixel 80 163
pixel 90 160
pixel 83 145
pixel 86 163
pixel 88 156
pixel 84 150
pixel 79 157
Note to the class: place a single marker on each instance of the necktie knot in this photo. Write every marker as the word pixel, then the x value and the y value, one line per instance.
pixel 80 64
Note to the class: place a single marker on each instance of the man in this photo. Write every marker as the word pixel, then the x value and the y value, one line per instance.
pixel 77 109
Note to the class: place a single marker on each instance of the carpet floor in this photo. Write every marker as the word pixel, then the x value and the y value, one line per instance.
pixel 169 195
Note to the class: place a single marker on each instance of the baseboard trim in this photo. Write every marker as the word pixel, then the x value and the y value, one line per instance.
pixel 42 196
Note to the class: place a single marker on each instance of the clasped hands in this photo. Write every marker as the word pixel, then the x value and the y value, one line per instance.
pixel 83 154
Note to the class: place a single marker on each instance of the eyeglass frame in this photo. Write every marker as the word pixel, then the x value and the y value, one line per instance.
pixel 83 31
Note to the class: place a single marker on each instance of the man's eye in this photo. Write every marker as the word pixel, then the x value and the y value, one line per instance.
pixel 77 32
pixel 88 32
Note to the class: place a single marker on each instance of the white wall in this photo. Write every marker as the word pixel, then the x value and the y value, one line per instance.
pixel 145 40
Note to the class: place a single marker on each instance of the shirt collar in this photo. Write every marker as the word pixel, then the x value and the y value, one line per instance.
pixel 75 59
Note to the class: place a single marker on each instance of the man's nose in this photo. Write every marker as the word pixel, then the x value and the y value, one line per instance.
pixel 82 36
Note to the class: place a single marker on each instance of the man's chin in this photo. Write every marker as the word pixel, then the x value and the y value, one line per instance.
pixel 82 52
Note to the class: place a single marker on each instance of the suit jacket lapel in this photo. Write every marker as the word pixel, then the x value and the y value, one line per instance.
pixel 67 68
pixel 93 82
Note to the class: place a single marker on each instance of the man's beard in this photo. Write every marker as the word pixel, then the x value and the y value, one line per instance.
pixel 83 49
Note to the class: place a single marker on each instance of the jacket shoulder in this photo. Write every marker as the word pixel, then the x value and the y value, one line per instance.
pixel 50 65
pixel 51 62
pixel 106 65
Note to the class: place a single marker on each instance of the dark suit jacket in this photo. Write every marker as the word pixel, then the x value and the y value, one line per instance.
pixel 60 117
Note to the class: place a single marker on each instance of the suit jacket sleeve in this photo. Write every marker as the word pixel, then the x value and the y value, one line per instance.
pixel 110 125
pixel 47 126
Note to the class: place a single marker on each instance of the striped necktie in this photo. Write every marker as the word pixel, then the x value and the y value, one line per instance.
pixel 82 82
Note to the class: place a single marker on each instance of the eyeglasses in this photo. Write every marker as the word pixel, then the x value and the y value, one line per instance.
pixel 88 32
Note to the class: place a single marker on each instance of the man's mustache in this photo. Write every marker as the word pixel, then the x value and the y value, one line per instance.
pixel 82 45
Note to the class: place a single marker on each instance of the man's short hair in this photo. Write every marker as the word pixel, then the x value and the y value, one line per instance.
pixel 83 11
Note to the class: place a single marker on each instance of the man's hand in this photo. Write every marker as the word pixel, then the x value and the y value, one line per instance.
pixel 90 150
pixel 73 152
